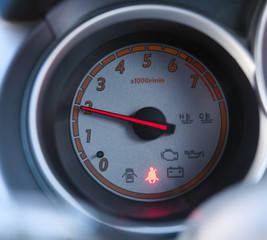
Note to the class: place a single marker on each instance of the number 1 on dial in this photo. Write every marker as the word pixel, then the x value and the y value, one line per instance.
pixel 88 139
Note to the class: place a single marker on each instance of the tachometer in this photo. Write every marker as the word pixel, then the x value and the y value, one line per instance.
pixel 149 121
pixel 141 117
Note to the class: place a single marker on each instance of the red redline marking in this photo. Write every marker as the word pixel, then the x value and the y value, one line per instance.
pixel 210 79
pixel 189 59
pixel 217 93
pixel 193 69
pixel 199 66
pixel 203 80
pixel 212 95
pixel 130 119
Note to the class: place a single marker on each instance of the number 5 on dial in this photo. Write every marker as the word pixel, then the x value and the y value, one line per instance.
pixel 147 61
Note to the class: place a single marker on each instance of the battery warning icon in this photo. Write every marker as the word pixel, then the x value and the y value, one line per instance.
pixel 173 172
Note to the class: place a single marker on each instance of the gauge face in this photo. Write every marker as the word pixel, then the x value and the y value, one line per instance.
pixel 149 121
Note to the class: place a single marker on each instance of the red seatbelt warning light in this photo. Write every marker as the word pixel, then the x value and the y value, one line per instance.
pixel 152 176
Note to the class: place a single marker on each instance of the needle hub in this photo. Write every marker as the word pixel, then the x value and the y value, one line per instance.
pixel 149 114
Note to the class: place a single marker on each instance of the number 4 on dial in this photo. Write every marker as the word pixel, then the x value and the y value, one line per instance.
pixel 120 68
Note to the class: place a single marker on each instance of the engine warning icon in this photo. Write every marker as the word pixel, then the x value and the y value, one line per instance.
pixel 169 155
pixel 152 176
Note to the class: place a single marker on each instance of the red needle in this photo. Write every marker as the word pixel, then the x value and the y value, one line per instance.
pixel 169 128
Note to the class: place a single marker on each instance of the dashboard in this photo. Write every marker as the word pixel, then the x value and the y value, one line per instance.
pixel 119 118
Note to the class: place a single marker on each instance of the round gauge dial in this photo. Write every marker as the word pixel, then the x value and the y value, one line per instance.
pixel 149 121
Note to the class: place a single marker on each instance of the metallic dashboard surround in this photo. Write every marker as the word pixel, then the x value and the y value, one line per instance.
pixel 134 13
pixel 260 55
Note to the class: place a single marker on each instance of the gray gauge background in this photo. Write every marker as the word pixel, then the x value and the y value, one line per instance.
pixel 178 157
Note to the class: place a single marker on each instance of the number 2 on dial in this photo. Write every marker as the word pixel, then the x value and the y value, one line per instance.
pixel 88 104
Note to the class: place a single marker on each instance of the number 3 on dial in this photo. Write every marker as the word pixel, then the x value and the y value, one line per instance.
pixel 101 84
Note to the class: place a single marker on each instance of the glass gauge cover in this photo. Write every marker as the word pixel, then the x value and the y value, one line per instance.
pixel 149 121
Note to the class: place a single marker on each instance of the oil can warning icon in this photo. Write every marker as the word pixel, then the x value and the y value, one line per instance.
pixel 152 176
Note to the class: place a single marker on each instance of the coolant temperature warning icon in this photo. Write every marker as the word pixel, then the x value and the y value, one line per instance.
pixel 152 176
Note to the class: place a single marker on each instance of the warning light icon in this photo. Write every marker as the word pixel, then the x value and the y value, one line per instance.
pixel 152 176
